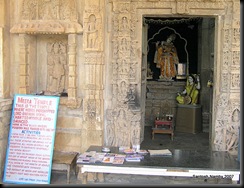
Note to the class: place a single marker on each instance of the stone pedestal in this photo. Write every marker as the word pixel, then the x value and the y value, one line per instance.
pixel 189 118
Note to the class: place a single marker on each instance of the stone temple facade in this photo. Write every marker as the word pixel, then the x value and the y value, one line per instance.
pixel 94 50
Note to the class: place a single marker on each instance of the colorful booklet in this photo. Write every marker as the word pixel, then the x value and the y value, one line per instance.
pixel 119 160
pixel 129 151
pixel 134 157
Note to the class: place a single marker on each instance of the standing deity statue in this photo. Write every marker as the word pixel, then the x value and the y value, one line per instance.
pixel 166 58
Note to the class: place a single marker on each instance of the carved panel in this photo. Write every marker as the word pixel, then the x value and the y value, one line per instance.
pixel 227 129
pixel 92 31
pixel 226 60
pixel 235 81
pixel 224 82
pixel 181 7
pixel 235 59
pixel 57 68
pixel 226 39
pixel 47 17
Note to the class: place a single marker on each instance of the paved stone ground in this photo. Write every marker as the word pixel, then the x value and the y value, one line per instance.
pixel 181 141
pixel 59 178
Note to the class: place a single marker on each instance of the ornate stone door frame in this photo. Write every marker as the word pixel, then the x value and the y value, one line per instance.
pixel 225 25
pixel 226 14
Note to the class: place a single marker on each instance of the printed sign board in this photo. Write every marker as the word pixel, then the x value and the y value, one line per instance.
pixel 31 140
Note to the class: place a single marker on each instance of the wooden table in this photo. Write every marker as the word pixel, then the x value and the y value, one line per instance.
pixel 182 163
pixel 64 161
pixel 163 127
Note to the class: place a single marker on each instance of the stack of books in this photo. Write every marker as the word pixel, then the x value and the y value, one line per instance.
pixel 162 152
pixel 134 157
pixel 142 152
pixel 100 157
pixel 90 157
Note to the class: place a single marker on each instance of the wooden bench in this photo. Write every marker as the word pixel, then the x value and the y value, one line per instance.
pixel 65 161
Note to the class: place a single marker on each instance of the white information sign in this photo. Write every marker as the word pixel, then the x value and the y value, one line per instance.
pixel 31 139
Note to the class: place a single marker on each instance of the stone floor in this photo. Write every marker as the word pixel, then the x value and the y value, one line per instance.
pixel 198 141
pixel 59 178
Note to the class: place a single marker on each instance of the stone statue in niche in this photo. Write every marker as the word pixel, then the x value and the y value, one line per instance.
pixel 92 32
pixel 56 68
pixel 166 58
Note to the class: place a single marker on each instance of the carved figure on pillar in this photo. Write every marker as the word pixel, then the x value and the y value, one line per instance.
pixel 92 32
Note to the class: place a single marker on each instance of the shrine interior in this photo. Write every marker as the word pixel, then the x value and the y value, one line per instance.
pixel 195 48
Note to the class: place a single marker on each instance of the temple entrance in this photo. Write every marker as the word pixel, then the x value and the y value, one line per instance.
pixel 195 49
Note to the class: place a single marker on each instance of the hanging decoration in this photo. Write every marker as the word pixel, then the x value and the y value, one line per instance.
pixel 170 21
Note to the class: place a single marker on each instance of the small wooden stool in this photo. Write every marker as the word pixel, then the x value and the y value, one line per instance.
pixel 64 161
pixel 163 127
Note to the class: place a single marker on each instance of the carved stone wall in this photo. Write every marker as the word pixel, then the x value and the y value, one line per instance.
pixel 103 68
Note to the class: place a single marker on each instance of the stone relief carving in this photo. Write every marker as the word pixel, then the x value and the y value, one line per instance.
pixel 115 50
pixel 132 73
pixel 92 114
pixel 122 91
pixel 232 126
pixel 133 49
pixel 124 47
pixel 235 58
pixel 135 132
pixel 92 31
pixel 235 81
pixel 123 68
pixel 226 39
pixel 232 131
pixel 227 127
pixel 122 123
pixel 226 59
pixel 47 16
pixel 236 36
pixel 123 128
pixel 131 95
pixel 124 25
pixel 57 68
pixel 224 82
pixel 181 8
pixel 48 10
pixel 222 100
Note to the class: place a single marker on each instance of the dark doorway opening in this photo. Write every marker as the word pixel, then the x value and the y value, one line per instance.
pixel 199 32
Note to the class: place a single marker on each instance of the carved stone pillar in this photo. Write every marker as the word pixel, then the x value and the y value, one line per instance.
pixel 24 65
pixel 72 89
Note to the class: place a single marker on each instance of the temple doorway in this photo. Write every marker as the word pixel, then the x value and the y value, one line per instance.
pixel 195 48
